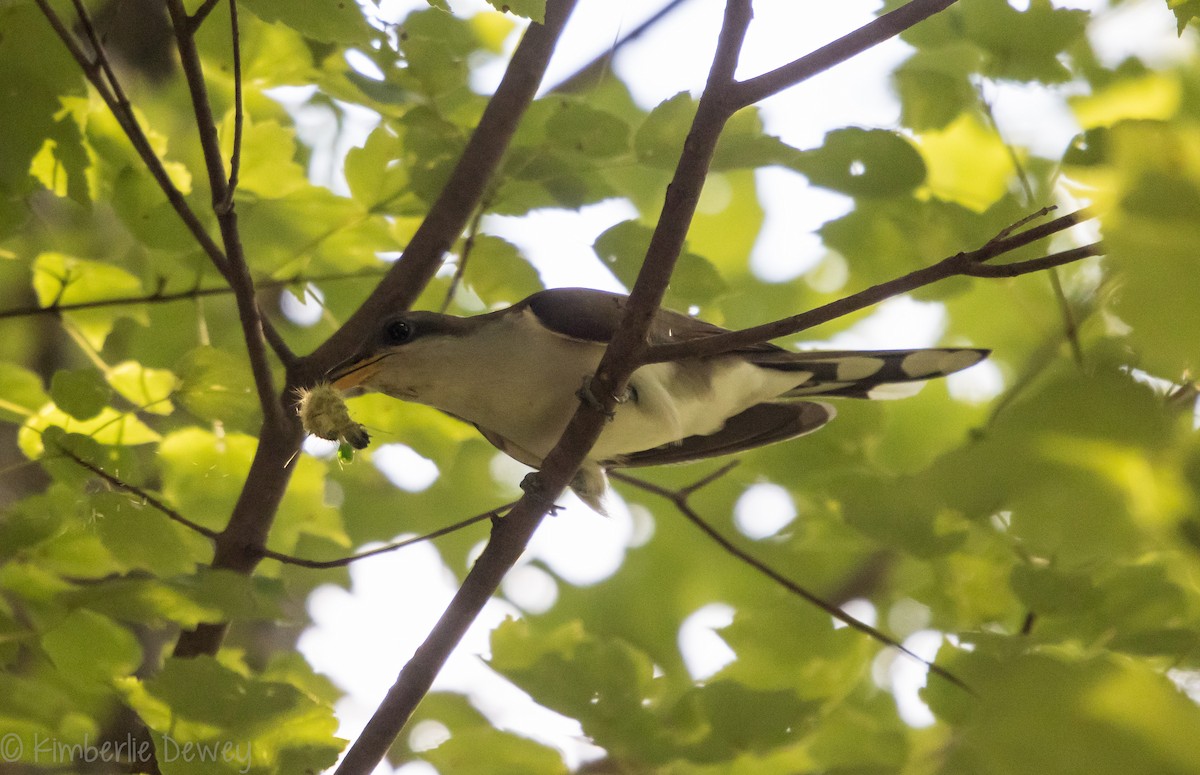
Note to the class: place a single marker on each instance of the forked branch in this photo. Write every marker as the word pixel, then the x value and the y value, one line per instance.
pixel 971 263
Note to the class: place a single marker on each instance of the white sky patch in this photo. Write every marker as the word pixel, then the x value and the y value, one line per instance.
pixel 978 384
pixel 704 651
pixel 581 546
pixel 898 323
pixel 763 510
pixel 362 651
pixel 303 313
pixel 405 467
pixel 530 588
pixel 363 65
pixel 908 677
pixel 559 242
pixel 788 244
pixel 861 609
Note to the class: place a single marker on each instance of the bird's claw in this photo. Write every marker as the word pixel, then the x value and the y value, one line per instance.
pixel 532 485
pixel 588 396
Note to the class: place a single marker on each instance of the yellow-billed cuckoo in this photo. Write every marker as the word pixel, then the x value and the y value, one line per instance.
pixel 516 374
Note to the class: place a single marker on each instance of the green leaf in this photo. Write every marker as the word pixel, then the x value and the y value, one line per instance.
pixel 485 750
pixel 21 392
pixel 577 126
pixel 623 247
pixel 497 272
pixel 147 389
pixel 268 166
pixel 86 646
pixel 140 537
pixel 659 140
pixel 862 162
pixel 215 386
pixel 534 10
pixel 1185 11
pixel 1024 45
pixel 81 394
pixel 325 22
pixel 1122 717
pixel 62 279
pixel 107 427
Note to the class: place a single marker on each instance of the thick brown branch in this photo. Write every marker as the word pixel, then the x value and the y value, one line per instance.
pixel 888 26
pixel 679 499
pixel 970 263
pixel 459 199
pixel 511 535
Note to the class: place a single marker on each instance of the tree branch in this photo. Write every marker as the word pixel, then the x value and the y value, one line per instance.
pixel 235 157
pixel 238 273
pixel 119 106
pixel 459 199
pixel 590 74
pixel 511 535
pixel 159 297
pixel 970 263
pixel 269 554
pixel 888 26
pixel 679 499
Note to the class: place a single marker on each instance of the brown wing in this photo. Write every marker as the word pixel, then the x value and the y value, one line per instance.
pixel 593 316
pixel 761 424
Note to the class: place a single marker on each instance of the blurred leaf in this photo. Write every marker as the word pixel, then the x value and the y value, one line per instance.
pixel 214 385
pixel 20 392
pixel 61 279
pixel 861 162
pixel 534 10
pixel 1024 45
pixel 147 389
pixel 967 163
pixel 81 394
pixel 326 22
pixel 497 272
pixel 1122 717
pixel 88 646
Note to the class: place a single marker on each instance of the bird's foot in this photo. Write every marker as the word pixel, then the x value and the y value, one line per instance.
pixel 532 485
pixel 588 396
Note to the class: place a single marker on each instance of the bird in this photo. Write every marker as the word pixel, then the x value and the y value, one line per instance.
pixel 516 375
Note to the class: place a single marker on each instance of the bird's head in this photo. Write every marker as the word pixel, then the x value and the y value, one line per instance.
pixel 407 356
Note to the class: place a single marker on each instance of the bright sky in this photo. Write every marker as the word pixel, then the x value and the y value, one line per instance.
pixel 362 638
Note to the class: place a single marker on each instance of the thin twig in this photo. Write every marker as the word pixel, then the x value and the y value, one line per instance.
pixel 202 13
pixel 287 559
pixel 235 158
pixel 159 297
pixel 888 26
pixel 251 318
pixel 593 72
pixel 155 503
pixel 463 256
pixel 679 499
pixel 971 263
pixel 496 513
pixel 133 131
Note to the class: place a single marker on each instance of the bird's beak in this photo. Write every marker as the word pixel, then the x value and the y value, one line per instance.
pixel 354 372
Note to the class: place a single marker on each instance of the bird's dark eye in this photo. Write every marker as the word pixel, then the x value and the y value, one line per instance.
pixel 398 332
